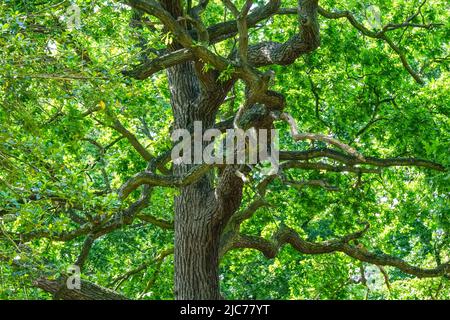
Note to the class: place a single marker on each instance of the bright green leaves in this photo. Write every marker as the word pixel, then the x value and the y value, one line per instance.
pixel 56 85
pixel 226 74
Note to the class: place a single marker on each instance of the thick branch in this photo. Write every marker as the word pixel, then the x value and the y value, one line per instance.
pixel 228 29
pixel 307 40
pixel 164 224
pixel 87 291
pixel 228 193
pixel 326 167
pixel 351 160
pixel 85 249
pixel 165 61
pixel 318 137
pixel 152 179
pixel 261 54
pixel 117 125
pixel 286 235
pixel 241 21
pixel 248 212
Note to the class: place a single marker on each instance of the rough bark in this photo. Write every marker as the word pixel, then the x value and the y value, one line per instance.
pixel 196 241
pixel 88 290
pixel 196 245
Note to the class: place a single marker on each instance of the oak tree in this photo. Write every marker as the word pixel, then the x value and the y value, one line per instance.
pixel 357 91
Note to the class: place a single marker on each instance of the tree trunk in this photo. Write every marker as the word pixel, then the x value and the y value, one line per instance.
pixel 196 236
pixel 196 246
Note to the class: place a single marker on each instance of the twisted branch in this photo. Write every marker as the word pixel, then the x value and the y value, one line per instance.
pixel 285 235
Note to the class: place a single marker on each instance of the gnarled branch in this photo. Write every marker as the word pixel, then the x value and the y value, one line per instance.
pixel 87 291
pixel 152 179
pixel 285 235
pixel 352 160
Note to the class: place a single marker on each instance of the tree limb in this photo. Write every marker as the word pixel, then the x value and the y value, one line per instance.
pixel 152 179
pixel 351 160
pixel 285 235
pixel 318 137
pixel 159 258
pixel 87 291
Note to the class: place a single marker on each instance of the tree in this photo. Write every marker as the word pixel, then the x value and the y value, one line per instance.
pixel 86 151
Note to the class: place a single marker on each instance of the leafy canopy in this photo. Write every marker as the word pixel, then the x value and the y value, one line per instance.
pixel 67 112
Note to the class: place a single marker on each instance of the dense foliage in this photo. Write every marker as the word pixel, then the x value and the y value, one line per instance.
pixel 67 112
